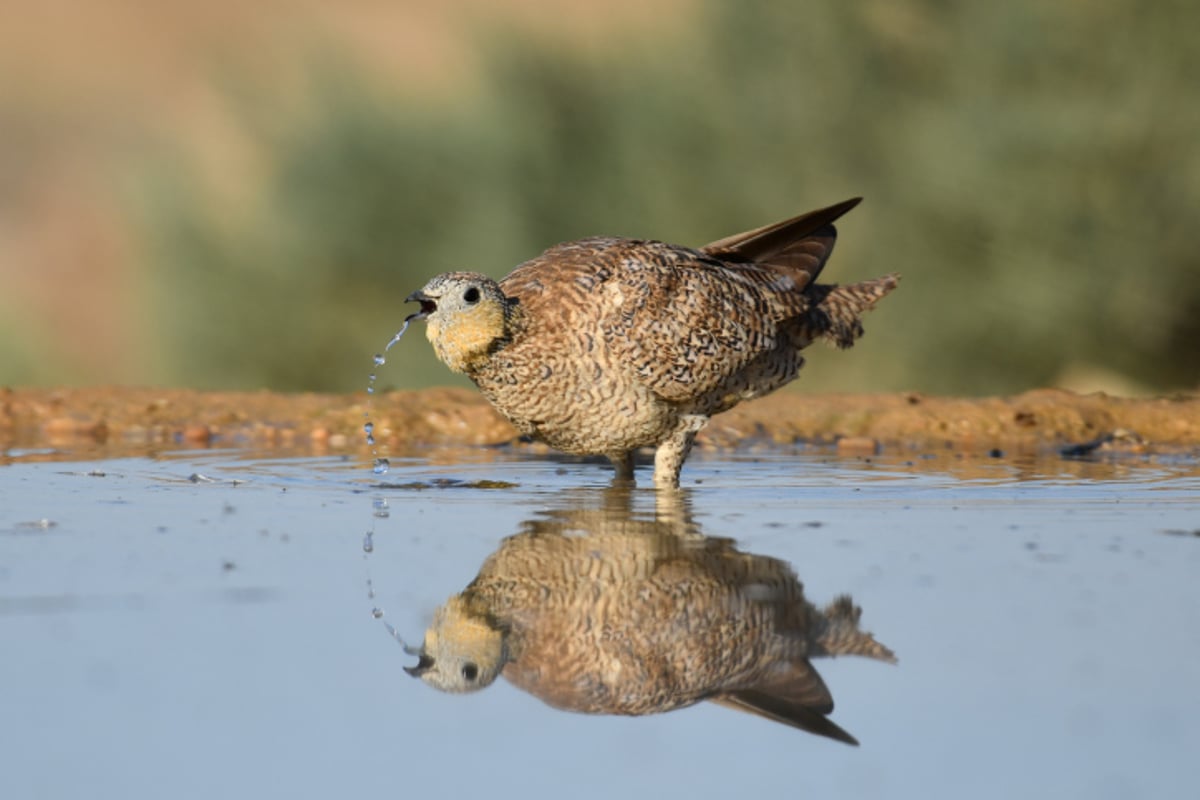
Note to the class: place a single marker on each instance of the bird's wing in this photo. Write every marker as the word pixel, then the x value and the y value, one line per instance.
pixel 799 246
pixel 684 322
pixel 780 710
pixel 795 696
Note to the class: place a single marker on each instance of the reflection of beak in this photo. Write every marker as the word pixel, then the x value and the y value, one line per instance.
pixel 428 306
pixel 423 666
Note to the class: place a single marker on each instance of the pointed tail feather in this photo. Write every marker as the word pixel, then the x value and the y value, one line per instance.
pixel 837 313
pixel 841 635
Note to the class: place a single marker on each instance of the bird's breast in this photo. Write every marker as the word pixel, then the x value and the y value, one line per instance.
pixel 566 390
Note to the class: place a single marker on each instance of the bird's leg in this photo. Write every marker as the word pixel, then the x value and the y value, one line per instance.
pixel 622 466
pixel 669 458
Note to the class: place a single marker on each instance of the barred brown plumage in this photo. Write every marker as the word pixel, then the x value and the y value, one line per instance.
pixel 606 345
pixel 601 611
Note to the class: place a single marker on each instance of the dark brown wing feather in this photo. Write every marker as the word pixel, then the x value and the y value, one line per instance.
pixel 795 696
pixel 778 709
pixel 800 245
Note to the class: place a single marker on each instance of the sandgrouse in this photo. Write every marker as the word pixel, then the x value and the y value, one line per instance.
pixel 602 613
pixel 605 345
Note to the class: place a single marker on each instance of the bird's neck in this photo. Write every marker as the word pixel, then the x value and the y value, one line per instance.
pixel 468 344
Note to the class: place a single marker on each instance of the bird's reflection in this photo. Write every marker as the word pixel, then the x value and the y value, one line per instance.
pixel 601 611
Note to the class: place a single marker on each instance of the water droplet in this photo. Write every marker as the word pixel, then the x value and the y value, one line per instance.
pixel 369 428
pixel 370 390
pixel 369 542
pixel 377 613
pixel 381 466
pixel 396 338
pixel 379 361
pixel 395 634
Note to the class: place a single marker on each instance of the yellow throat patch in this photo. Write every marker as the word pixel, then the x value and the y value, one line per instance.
pixel 464 340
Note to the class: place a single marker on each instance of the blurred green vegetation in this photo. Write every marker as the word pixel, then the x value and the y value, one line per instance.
pixel 1032 168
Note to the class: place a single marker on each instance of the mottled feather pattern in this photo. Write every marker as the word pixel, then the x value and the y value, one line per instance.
pixel 599 611
pixel 836 313
pixel 688 614
pixel 608 345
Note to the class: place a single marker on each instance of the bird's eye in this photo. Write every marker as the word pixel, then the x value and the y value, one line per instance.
pixel 471 295
pixel 470 672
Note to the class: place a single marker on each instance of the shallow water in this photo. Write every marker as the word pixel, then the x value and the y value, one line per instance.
pixel 199 624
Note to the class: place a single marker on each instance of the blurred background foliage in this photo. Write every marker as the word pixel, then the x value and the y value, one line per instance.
pixel 1033 169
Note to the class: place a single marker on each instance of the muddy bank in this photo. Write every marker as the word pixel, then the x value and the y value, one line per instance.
pixel 116 419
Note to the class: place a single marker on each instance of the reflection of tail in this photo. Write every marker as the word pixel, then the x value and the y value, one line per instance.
pixel 841 636
pixel 837 314
pixel 792 692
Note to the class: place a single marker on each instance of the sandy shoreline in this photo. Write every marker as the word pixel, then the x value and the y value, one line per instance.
pixel 120 418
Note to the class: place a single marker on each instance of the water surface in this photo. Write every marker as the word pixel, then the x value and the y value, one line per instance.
pixel 200 624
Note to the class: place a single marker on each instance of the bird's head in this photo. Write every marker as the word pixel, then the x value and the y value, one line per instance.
pixel 467 316
pixel 462 651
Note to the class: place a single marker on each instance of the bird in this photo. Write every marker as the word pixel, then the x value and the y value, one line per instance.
pixel 602 613
pixel 606 345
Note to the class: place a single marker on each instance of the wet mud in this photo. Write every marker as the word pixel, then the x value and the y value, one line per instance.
pixel 118 419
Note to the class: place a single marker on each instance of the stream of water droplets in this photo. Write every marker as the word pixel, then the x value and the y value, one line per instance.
pixel 380 465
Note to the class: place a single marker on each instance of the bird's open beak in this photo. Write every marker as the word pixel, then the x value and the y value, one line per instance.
pixel 423 666
pixel 428 306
